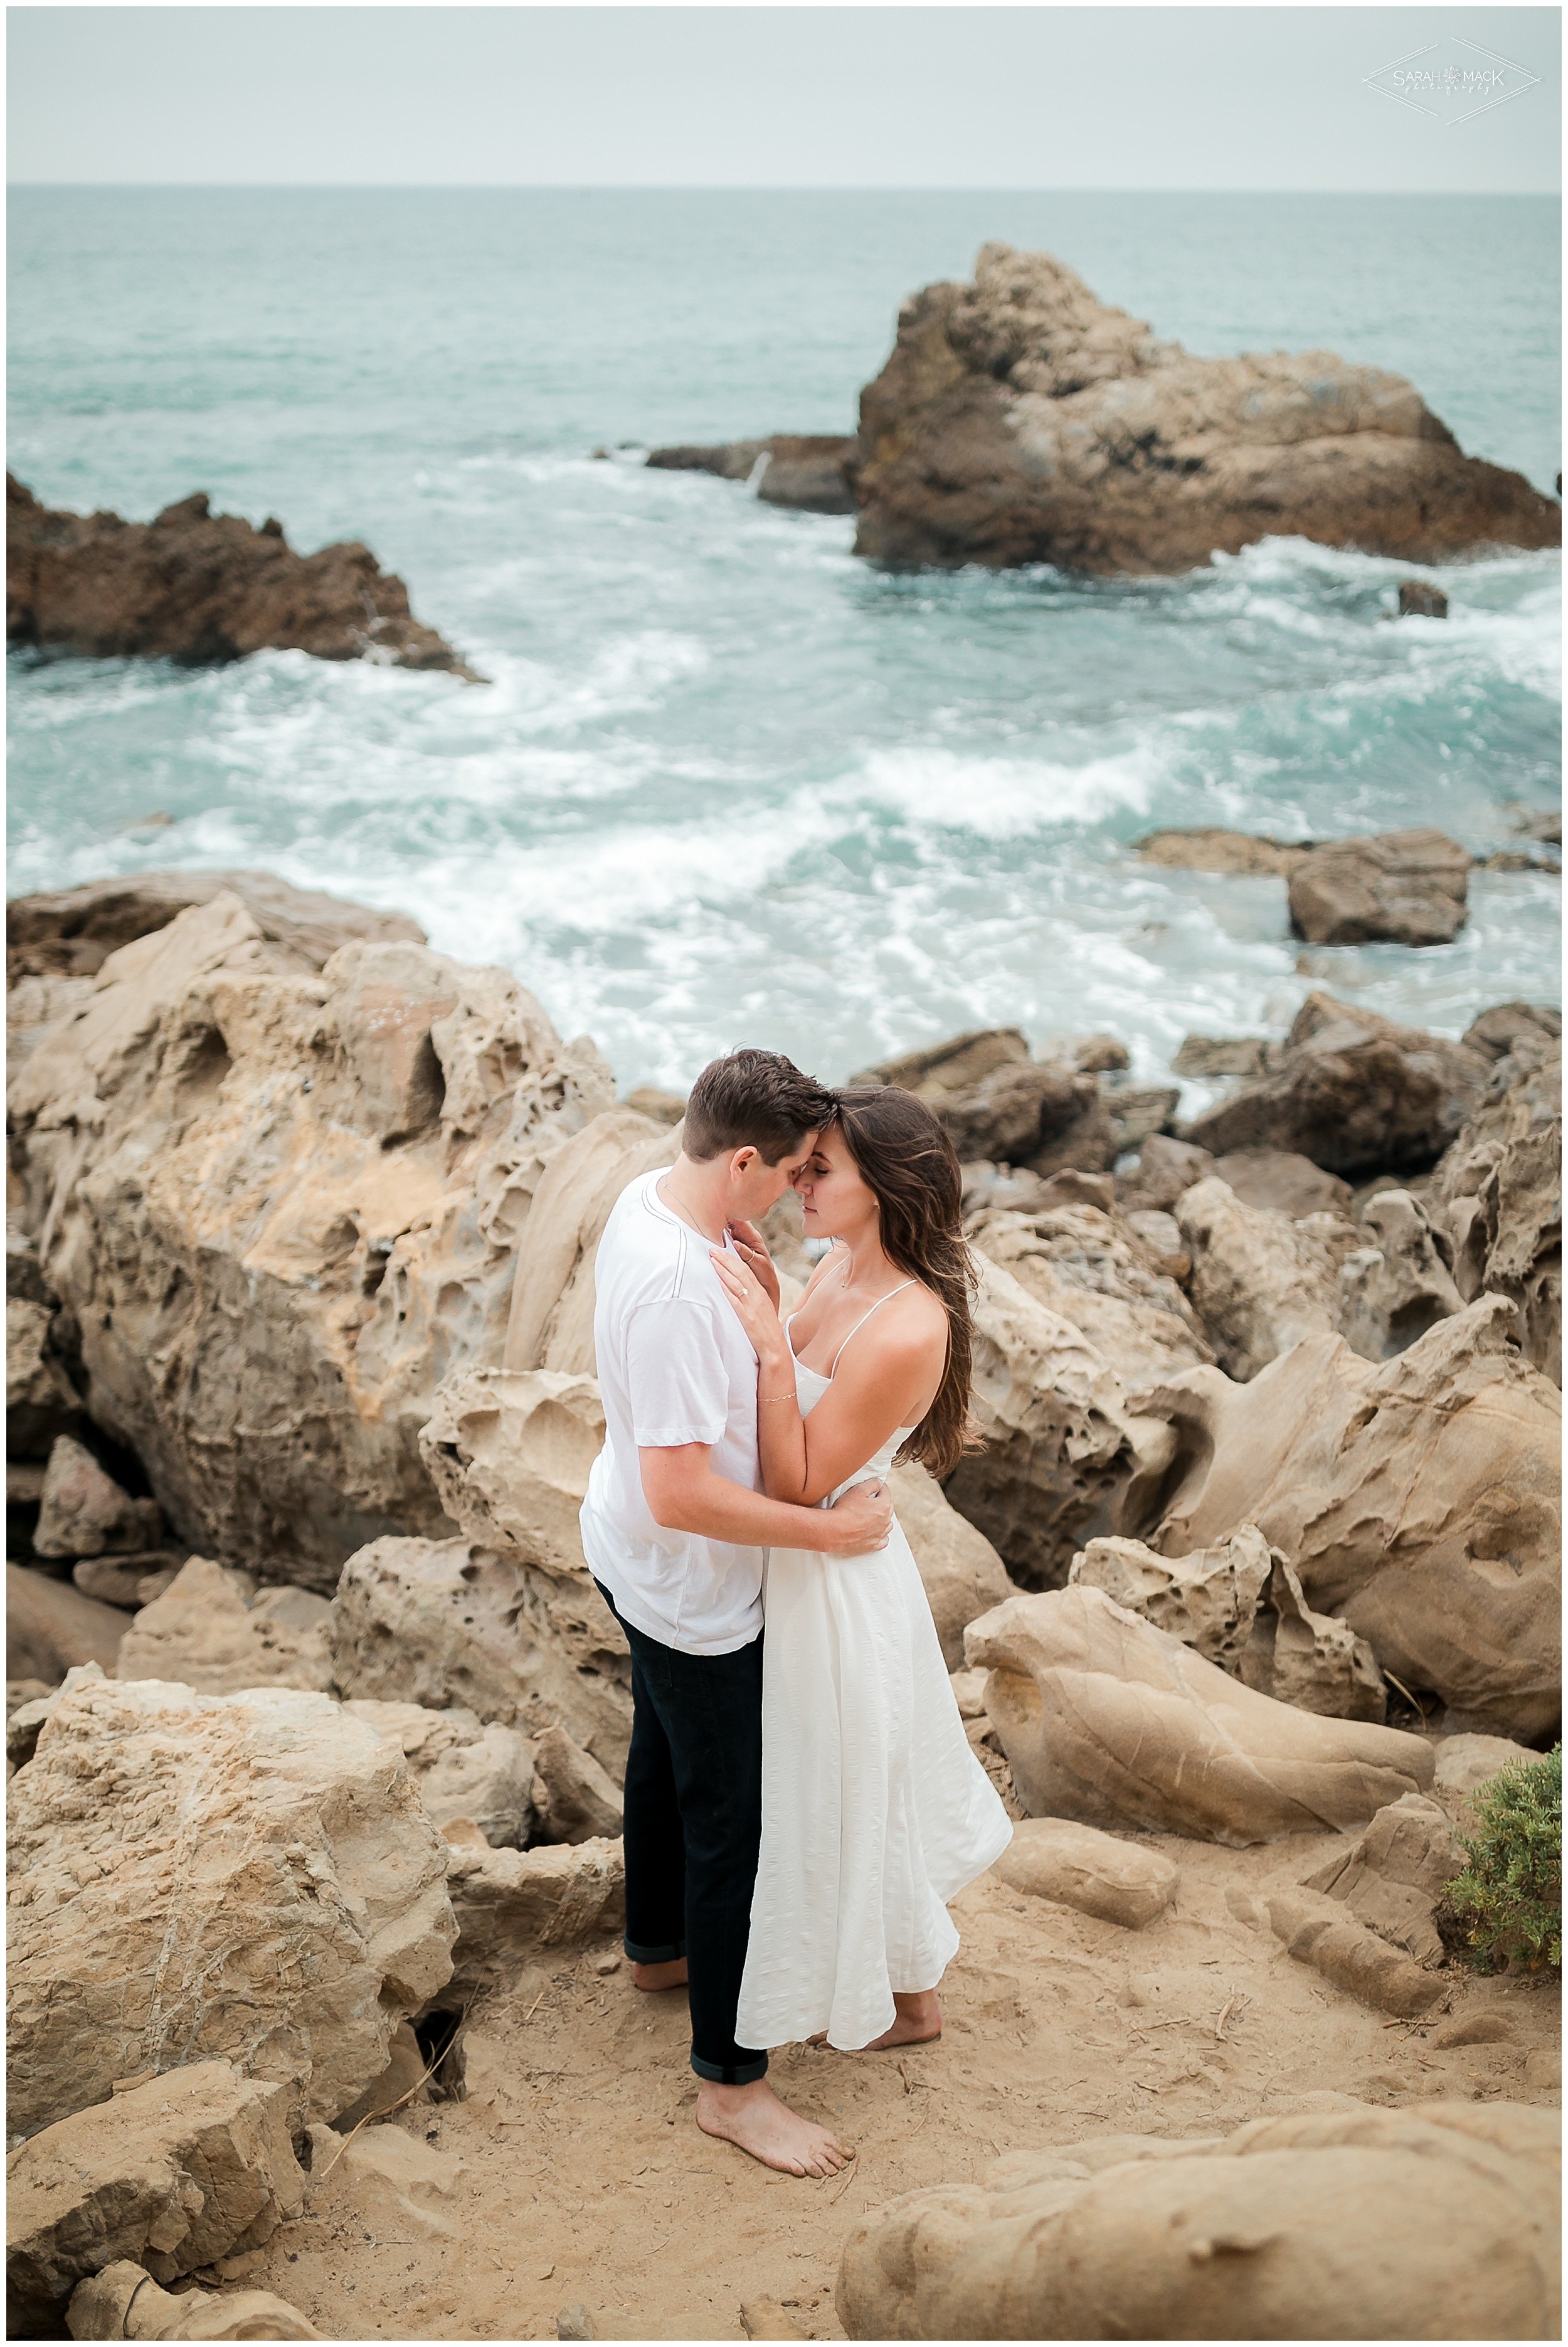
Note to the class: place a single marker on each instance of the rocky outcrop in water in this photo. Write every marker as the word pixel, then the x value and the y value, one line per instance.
pixel 198 587
pixel 71 932
pixel 810 472
pixel 1020 419
pixel 1404 887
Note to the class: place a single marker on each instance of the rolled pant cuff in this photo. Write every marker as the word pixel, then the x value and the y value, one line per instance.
pixel 667 1954
pixel 734 2074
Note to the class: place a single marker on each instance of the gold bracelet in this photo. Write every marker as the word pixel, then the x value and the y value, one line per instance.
pixel 767 1398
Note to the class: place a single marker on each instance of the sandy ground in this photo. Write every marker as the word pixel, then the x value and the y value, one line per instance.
pixel 585 2181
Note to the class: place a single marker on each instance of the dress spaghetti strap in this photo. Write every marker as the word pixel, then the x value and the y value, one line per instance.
pixel 865 1316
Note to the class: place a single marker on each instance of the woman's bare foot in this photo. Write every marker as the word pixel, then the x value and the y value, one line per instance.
pixel 918 2022
pixel 753 2117
pixel 658 1977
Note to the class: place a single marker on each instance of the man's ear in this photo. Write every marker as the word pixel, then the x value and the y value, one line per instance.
pixel 742 1161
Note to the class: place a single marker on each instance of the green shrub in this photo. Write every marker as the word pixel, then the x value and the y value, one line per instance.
pixel 1506 1908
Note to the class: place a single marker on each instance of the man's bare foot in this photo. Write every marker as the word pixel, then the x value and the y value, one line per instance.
pixel 753 2117
pixel 918 2022
pixel 658 1977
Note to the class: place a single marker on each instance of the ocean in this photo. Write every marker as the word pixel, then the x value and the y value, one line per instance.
pixel 728 784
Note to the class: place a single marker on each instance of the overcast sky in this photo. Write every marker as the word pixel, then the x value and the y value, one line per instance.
pixel 1243 97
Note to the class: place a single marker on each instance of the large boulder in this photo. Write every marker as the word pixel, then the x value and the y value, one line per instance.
pixel 1354 1091
pixel 71 932
pixel 1421 1498
pixel 123 2301
pixel 1355 2223
pixel 996 1103
pixel 251 1877
pixel 216 1629
pixel 197 587
pixel 550 1323
pixel 1260 1282
pixel 1499 1190
pixel 1060 1445
pixel 1094 1269
pixel 1399 1282
pixel 1020 419
pixel 1407 887
pixel 1338 1946
pixel 280 1206
pixel 1109 1721
pixel 1280 1178
pixel 176 2173
pixel 1208 1599
pixel 454 1624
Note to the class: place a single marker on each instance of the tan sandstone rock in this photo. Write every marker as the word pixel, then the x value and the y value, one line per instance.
pixel 511 1905
pixel 1260 1282
pixel 1312 1660
pixel 50 1627
pixel 1165 1168
pixel 1060 1444
pixel 1317 1932
pixel 75 930
pixel 1021 419
pixel 1393 1875
pixel 1092 1268
pixel 174 2173
pixel 1499 1190
pixel 1394 1289
pixel 1283 1180
pixel 1078 1866
pixel 581 1803
pixel 1467 1762
pixel 123 2301
pixel 250 1876
pixel 1208 1599
pixel 217 1630
pixel 1356 2223
pixel 1419 1498
pixel 464 1768
pixel 281 1205
pixel 1406 886
pixel 550 1323
pixel 1107 1720
pixel 1354 1091
pixel 445 1622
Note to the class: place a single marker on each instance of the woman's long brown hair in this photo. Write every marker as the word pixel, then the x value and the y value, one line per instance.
pixel 908 1161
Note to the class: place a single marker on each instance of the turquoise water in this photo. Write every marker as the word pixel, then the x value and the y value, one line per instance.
pixel 728 784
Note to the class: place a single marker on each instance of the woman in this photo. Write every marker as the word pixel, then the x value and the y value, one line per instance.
pixel 876 1812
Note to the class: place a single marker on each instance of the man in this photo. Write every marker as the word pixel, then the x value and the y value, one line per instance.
pixel 675 1530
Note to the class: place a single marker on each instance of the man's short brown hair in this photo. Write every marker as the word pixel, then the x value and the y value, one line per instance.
pixel 756 1099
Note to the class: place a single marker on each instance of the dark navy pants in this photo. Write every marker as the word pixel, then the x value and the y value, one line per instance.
pixel 694 1825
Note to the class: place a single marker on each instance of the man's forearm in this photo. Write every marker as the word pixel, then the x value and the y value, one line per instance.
pixel 719 1510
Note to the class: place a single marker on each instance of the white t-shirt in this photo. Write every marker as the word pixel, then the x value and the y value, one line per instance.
pixel 674 1366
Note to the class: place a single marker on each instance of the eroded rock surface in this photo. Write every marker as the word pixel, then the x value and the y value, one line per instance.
pixel 174 2173
pixel 217 1630
pixel 1393 1875
pixel 1260 1282
pixel 513 1904
pixel 1404 887
pixel 50 1627
pixel 250 1876
pixel 464 1768
pixel 197 587
pixel 1354 1091
pixel 123 2301
pixel 1109 1721
pixel 1419 1498
pixel 1020 419
pixel 1499 1190
pixel 1207 1599
pixel 1357 2223
pixel 810 472
pixel 280 1206
pixel 451 1623
pixel 1093 1269
pixel 71 932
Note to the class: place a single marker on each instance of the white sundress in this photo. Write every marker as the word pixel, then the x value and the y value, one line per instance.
pixel 876 1811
